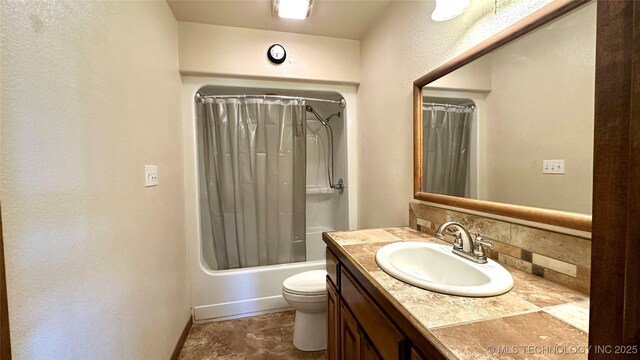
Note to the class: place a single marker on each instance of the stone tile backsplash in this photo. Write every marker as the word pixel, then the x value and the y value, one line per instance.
pixel 563 259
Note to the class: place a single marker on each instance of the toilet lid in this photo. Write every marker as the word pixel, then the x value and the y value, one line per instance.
pixel 306 283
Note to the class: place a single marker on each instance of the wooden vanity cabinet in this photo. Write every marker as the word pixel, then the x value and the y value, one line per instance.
pixel 355 343
pixel 333 321
pixel 350 337
pixel 416 356
pixel 357 327
pixel 369 352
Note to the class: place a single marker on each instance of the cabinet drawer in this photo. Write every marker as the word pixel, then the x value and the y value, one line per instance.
pixel 332 267
pixel 388 340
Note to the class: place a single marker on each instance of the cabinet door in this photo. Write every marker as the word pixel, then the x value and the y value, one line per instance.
pixel 368 350
pixel 416 356
pixel 333 322
pixel 349 335
pixel 388 340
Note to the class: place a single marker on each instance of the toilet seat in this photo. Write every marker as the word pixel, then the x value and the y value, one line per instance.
pixel 308 283
pixel 302 299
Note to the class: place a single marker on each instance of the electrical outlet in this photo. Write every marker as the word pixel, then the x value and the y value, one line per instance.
pixel 553 166
pixel 150 175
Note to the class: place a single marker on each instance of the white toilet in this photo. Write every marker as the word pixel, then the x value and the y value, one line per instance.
pixel 307 293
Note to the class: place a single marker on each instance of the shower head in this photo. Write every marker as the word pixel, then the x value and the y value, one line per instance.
pixel 308 108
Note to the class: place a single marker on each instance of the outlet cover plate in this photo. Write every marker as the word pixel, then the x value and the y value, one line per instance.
pixel 150 175
pixel 553 166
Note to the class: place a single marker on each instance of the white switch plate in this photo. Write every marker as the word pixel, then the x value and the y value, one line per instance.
pixel 553 166
pixel 150 175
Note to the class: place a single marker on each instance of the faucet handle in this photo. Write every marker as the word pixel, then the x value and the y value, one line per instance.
pixel 457 242
pixel 480 240
pixel 479 244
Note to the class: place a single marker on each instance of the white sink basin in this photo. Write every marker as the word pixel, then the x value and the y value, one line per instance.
pixel 434 267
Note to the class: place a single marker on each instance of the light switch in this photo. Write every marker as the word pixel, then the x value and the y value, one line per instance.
pixel 553 166
pixel 150 175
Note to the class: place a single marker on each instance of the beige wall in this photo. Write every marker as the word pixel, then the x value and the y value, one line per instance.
pixel 242 53
pixel 473 77
pixel 403 45
pixel 96 263
pixel 541 107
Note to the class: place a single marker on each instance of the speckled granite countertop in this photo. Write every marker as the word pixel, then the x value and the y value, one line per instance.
pixel 537 319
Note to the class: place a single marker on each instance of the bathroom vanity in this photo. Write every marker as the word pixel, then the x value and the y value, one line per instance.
pixel 372 315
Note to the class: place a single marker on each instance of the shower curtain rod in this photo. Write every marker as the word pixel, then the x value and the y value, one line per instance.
pixel 449 105
pixel 199 98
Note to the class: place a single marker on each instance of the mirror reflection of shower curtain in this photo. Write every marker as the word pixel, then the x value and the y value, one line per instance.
pixel 254 162
pixel 446 133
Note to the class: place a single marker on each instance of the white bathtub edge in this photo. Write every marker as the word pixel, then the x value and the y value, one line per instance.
pixel 238 308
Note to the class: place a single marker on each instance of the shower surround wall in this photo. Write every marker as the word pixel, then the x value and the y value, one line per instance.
pixel 258 289
pixel 327 209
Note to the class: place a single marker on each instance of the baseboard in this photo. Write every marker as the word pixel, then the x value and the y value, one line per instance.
pixel 183 337
pixel 238 308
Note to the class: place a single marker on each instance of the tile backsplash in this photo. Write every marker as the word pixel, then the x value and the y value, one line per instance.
pixel 561 258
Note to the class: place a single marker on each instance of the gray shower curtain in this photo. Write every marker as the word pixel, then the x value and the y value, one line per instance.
pixel 254 162
pixel 446 133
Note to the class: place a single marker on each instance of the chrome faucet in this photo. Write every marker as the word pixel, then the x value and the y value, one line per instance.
pixel 464 245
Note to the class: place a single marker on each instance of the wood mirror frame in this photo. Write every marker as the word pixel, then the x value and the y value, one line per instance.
pixel 526 25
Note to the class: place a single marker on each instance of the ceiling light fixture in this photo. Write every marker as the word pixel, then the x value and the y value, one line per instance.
pixel 292 9
pixel 449 9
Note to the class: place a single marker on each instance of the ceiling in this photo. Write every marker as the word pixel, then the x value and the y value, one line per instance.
pixel 348 19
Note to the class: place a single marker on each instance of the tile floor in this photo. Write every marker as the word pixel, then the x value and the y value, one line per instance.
pixel 259 337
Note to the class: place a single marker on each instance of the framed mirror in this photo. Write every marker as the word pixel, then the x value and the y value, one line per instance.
pixel 506 128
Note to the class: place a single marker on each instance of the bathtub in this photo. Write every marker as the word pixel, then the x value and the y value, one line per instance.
pixel 218 294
